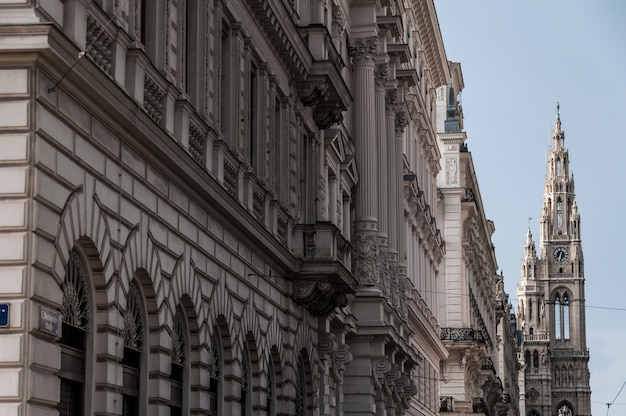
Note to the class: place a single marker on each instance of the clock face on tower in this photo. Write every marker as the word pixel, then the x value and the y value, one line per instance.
pixel 560 254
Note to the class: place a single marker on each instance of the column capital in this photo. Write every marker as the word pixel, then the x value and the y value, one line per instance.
pixel 381 74
pixel 391 100
pixel 401 122
pixel 364 49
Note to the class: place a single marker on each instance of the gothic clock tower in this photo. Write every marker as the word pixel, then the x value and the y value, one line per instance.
pixel 551 310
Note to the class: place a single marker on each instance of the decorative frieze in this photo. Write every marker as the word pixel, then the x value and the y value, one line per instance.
pixel 99 43
pixel 153 99
pixel 258 204
pixel 230 178
pixel 197 144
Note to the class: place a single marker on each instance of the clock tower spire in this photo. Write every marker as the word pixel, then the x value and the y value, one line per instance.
pixel 551 296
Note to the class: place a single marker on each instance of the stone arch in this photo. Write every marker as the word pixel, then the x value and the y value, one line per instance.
pixel 140 253
pixel 564 408
pixel 86 227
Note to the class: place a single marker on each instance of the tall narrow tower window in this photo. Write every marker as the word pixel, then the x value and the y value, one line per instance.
pixel 559 212
pixel 565 317
pixel 557 317
pixel 561 316
pixel 558 167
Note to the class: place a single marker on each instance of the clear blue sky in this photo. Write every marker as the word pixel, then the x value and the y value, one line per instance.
pixel 518 59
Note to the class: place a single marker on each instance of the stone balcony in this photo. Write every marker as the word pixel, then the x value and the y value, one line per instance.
pixel 324 280
pixel 324 88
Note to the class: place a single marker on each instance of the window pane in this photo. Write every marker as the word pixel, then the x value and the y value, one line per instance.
pixel 71 400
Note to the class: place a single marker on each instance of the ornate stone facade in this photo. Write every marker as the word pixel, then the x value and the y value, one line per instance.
pixel 191 214
pixel 480 375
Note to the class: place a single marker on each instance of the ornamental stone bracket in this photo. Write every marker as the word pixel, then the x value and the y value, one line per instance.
pixel 395 386
pixel 324 281
pixel 324 89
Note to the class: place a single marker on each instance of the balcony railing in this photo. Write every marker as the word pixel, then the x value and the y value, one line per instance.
pixel 462 335
pixel 539 337
pixel 488 366
pixel 479 405
pixel 446 404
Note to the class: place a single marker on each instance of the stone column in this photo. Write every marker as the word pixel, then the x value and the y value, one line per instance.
pixel 392 201
pixel 400 239
pixel 382 75
pixel 364 52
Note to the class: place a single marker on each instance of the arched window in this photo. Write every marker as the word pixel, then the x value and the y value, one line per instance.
pixel 565 306
pixel 134 343
pixel 73 342
pixel 246 383
pixel 270 390
pixel 215 374
pixel 565 410
pixel 530 309
pixel 557 317
pixel 527 358
pixel 559 212
pixel 561 316
pixel 301 388
pixel 536 359
pixel 178 369
pixel 534 413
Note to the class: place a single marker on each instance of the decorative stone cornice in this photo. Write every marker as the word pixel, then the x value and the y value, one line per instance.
pixel 285 41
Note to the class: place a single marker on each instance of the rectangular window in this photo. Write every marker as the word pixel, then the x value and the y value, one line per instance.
pixel 277 137
pixel 252 113
pixel 225 79
pixel 70 402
